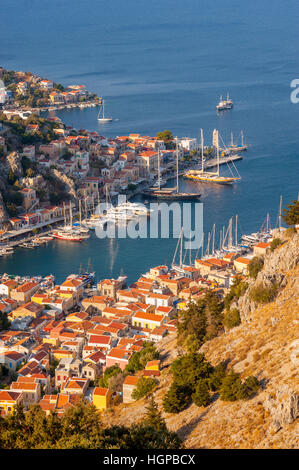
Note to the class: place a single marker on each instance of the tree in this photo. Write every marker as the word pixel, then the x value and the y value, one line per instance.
pixel 109 372
pixel 139 359
pixel 236 290
pixel 176 399
pixel 250 387
pixel 166 136
pixel 188 369
pixel 291 213
pixel 255 266
pixel 192 344
pixel 232 318
pixel 263 294
pixel 231 388
pixel 217 376
pixel 153 416
pixel 201 396
pixel 275 243
pixel 145 386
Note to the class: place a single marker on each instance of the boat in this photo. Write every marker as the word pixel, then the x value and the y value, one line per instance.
pixel 171 194
pixel 64 235
pixel 209 176
pixel 225 104
pixel 103 118
pixel 233 148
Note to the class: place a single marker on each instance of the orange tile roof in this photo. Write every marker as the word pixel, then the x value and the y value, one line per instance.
pixel 100 391
pixel 131 380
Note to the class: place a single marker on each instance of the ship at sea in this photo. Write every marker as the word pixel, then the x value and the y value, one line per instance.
pixel 225 104
pixel 172 194
pixel 210 176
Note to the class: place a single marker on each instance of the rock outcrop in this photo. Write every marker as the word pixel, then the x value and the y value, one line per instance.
pixel 266 345
pixel 68 183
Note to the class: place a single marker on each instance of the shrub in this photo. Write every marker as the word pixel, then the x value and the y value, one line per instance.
pixel 144 387
pixel 201 396
pixel 231 388
pixel 237 289
pixel 217 376
pixel 275 243
pixel 263 294
pixel 109 373
pixel 188 369
pixel 250 387
pixel 176 399
pixel 255 266
pixel 232 318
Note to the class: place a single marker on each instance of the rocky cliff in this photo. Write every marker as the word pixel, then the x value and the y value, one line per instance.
pixel 266 345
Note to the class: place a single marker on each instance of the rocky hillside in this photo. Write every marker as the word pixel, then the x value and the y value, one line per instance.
pixel 266 345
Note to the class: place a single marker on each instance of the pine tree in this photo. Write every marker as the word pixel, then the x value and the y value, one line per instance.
pixel 176 399
pixel 201 396
pixel 153 416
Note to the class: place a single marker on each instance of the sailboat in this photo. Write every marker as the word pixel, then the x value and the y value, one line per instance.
pixel 209 176
pixel 233 148
pixel 170 193
pixel 102 118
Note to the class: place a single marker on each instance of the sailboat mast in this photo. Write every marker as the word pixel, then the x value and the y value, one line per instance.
pixel 242 139
pixel 159 179
pixel 177 165
pixel 213 240
pixel 236 231
pixel 280 212
pixel 71 214
pixel 80 218
pixel 218 153
pixel 181 248
pixel 231 139
pixel 202 149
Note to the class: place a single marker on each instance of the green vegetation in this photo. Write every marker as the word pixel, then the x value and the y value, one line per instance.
pixel 176 399
pixel 108 374
pixel 131 187
pixel 275 243
pixel 232 318
pixel 139 359
pixel 263 294
pixel 145 386
pixel 255 266
pixel 153 416
pixel 237 289
pixel 4 322
pixel 291 213
pixel 233 389
pixel 202 320
pixel 201 396
pixel 80 428
pixel 167 137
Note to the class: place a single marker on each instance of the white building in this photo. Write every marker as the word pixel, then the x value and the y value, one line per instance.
pixel 189 144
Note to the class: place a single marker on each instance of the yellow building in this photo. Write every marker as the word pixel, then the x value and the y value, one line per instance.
pixel 8 401
pixel 153 365
pixel 102 398
pixel 147 320
pixel 54 341
pixel 61 353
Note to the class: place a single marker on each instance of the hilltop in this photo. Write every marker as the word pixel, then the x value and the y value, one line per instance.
pixel 266 345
